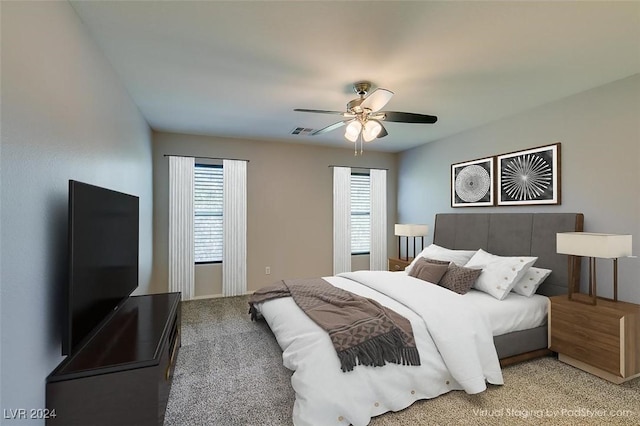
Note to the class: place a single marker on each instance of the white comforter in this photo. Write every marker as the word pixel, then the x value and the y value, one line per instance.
pixel 454 340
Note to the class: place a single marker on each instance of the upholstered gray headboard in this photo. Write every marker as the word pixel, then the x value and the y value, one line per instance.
pixel 513 234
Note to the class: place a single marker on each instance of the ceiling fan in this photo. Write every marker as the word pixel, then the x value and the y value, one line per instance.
pixel 363 117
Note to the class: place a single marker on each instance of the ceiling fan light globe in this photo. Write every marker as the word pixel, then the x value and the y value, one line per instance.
pixel 371 130
pixel 352 131
pixel 351 138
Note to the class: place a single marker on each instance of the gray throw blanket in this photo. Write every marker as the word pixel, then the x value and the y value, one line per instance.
pixel 362 331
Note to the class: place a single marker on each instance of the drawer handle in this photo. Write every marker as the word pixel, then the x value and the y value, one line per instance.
pixel 397 267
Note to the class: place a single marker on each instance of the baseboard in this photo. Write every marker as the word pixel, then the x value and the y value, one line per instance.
pixel 217 296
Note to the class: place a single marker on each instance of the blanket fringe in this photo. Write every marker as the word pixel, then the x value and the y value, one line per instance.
pixel 379 350
pixel 253 311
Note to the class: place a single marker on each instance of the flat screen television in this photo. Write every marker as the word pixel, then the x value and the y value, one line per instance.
pixel 103 258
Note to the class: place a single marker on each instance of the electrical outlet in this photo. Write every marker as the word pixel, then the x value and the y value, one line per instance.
pixel 267 270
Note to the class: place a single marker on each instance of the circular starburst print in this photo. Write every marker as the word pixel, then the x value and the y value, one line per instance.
pixel 527 177
pixel 472 183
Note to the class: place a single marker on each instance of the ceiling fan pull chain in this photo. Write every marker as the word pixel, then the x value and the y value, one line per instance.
pixel 355 148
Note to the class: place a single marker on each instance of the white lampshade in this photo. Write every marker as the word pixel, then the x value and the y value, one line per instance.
pixel 353 130
pixel 410 230
pixel 371 130
pixel 607 246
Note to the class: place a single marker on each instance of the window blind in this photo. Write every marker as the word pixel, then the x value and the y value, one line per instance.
pixel 208 213
pixel 360 213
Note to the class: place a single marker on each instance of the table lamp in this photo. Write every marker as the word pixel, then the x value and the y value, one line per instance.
pixel 594 245
pixel 410 230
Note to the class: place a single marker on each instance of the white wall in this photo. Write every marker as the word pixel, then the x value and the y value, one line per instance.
pixel 600 135
pixel 65 115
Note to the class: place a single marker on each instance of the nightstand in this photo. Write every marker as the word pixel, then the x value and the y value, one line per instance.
pixel 602 339
pixel 398 264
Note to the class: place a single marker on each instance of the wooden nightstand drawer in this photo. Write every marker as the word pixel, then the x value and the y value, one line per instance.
pixel 398 264
pixel 589 348
pixel 575 334
pixel 588 319
pixel 603 339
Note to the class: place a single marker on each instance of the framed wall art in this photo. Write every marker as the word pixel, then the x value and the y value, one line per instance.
pixel 472 183
pixel 529 177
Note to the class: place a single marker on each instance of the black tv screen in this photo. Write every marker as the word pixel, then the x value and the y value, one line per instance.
pixel 103 257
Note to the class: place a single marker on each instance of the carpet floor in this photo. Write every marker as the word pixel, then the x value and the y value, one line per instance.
pixel 229 372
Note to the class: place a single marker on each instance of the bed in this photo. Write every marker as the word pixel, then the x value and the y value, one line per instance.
pixel 517 234
pixel 461 347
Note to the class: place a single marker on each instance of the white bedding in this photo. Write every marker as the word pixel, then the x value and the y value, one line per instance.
pixel 453 338
pixel 513 313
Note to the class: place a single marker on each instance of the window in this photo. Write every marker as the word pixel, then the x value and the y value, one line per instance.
pixel 360 213
pixel 207 207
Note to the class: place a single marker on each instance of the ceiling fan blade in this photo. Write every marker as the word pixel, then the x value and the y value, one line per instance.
pixel 377 99
pixel 383 132
pixel 321 111
pixel 331 127
pixel 408 117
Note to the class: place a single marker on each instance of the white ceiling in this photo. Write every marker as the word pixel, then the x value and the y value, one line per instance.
pixel 238 69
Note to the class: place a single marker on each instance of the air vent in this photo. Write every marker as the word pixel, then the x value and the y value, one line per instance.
pixel 302 131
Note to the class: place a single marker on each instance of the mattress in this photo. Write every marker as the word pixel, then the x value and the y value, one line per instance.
pixel 514 313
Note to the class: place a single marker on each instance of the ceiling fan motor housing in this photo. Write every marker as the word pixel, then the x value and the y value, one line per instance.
pixel 362 88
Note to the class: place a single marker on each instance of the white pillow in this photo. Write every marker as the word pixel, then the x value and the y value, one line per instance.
pixel 499 273
pixel 530 281
pixel 435 252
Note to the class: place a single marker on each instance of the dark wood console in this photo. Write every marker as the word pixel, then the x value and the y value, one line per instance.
pixel 122 375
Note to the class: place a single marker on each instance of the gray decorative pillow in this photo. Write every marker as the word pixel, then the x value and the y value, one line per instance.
pixel 437 262
pixel 420 263
pixel 459 279
pixel 429 271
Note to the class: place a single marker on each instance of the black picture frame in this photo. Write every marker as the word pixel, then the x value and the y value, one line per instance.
pixel 529 177
pixel 472 183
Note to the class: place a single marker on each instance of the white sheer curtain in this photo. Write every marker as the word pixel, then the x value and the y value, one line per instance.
pixel 181 252
pixel 341 219
pixel 234 233
pixel 378 251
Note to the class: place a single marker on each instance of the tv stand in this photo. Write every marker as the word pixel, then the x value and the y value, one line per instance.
pixel 122 375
